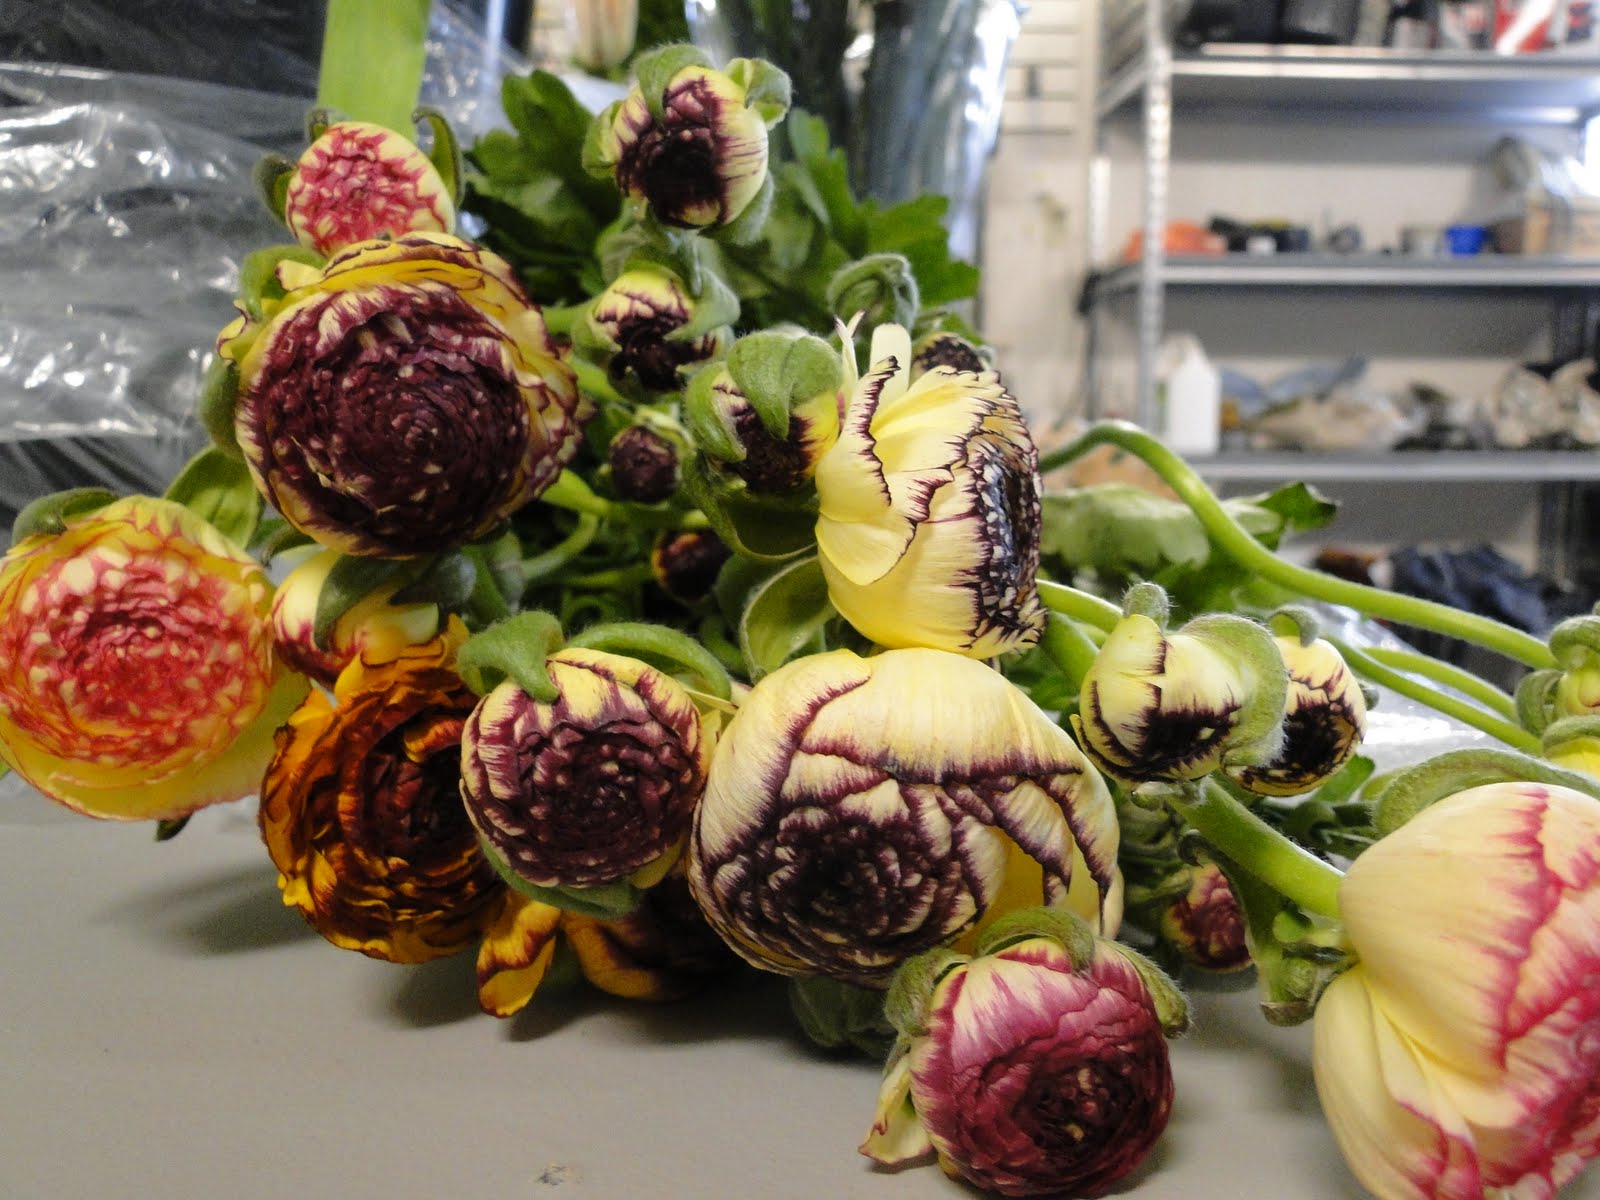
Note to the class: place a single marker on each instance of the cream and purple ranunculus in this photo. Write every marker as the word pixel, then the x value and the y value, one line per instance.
pixel 1324 720
pixel 403 399
pixel 594 787
pixel 137 673
pixel 862 810
pixel 1037 1069
pixel 1460 1056
pixel 633 322
pixel 929 522
pixel 359 181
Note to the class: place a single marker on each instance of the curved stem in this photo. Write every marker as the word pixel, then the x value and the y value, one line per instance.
pixel 570 492
pixel 539 567
pixel 1465 682
pixel 1233 540
pixel 616 577
pixel 1079 605
pixel 1068 647
pixel 1247 840
pixel 1468 714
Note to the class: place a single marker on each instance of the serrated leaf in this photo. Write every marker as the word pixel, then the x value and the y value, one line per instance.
pixel 1300 506
pixel 785 617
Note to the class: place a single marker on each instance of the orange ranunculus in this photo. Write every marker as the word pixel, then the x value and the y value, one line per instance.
pixel 137 673
pixel 361 810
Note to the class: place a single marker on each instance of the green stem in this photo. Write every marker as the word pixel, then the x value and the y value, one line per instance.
pixel 617 577
pixel 539 567
pixel 1444 673
pixel 1468 714
pixel 597 383
pixel 570 492
pixel 1234 541
pixel 372 56
pixel 1245 839
pixel 1068 647
pixel 1079 605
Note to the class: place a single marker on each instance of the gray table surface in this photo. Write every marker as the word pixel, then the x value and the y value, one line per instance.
pixel 171 1031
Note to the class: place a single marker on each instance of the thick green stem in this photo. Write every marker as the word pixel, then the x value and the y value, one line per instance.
pixel 372 56
pixel 1365 665
pixel 1465 682
pixel 1245 839
pixel 1080 606
pixel 1068 647
pixel 539 567
pixel 1234 541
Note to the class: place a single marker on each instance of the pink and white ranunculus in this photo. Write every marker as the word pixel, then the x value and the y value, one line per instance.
pixel 1033 1075
pixel 1461 1055
pixel 360 181
pixel 137 673
pixel 403 399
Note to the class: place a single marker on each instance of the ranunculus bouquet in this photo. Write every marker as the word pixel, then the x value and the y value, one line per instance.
pixel 614 552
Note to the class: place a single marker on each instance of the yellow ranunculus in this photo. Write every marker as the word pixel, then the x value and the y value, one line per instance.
pixel 928 532
pixel 1460 1056
pixel 137 674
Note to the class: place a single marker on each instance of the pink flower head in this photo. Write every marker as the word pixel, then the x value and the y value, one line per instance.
pixel 360 181
pixel 1461 1055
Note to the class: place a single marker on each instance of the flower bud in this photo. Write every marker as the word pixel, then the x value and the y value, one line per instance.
pixel 690 141
pixel 1460 1056
pixel 929 522
pixel 1039 1068
pixel 1205 925
pixel 1575 643
pixel 374 626
pixel 633 322
pixel 883 287
pixel 859 811
pixel 685 563
pixel 1324 719
pixel 1160 706
pixel 360 181
pixel 593 788
pixel 945 349
pixel 644 465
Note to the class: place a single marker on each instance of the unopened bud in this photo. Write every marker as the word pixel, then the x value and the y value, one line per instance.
pixel 686 563
pixel 644 465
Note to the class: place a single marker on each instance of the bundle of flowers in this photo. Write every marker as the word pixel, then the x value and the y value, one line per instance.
pixel 663 581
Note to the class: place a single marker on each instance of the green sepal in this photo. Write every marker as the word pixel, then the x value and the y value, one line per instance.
pixel 1070 930
pixel 1535 699
pixel 747 227
pixel 1569 729
pixel 447 581
pixel 1296 621
pixel 882 286
pixel 839 1016
pixel 517 649
pixel 709 421
pixel 598 142
pixel 170 827
pixel 216 486
pixel 770 528
pixel 49 514
pixel 905 1005
pixel 767 88
pixel 1257 735
pixel 655 70
pixel 715 306
pixel 1576 641
pixel 258 275
pixel 445 153
pixel 1406 793
pixel 273 536
pixel 662 647
pixel 219 401
pixel 606 902
pixel 271 179
pixel 1147 600
pixel 777 370
pixel 786 616
pixel 318 119
pixel 1295 956
pixel 351 580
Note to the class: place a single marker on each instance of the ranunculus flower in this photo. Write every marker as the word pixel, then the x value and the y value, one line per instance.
pixel 360 181
pixel 633 319
pixel 685 563
pixel 137 674
pixel 929 526
pixel 595 787
pixel 403 399
pixel 1173 706
pixel 862 810
pixel 1324 720
pixel 644 465
pixel 361 810
pixel 1031 1073
pixel 696 153
pixel 767 463
pixel 1205 925
pixel 1460 1056
pixel 946 349
pixel 374 625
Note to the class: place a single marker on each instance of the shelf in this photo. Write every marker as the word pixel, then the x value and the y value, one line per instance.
pixel 1438 466
pixel 1488 272
pixel 1292 80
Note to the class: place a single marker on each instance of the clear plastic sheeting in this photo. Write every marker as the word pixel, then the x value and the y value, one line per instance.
pixel 126 208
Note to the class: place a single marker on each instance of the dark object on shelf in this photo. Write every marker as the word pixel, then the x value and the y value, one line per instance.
pixel 1228 21
pixel 1286 238
pixel 1319 22
pixel 1413 25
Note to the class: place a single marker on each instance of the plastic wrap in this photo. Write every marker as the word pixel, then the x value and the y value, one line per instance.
pixel 128 209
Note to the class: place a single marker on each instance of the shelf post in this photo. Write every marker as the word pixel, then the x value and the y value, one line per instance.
pixel 1157 129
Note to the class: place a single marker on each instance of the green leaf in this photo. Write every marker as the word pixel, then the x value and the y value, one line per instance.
pixel 217 488
pixel 777 370
pixel 785 617
pixel 515 648
pixel 351 580
pixel 49 514
pixel 1300 506
pixel 271 178
pixel 763 527
pixel 258 275
pixel 606 902
pixel 446 581
pixel 445 153
pixel 219 400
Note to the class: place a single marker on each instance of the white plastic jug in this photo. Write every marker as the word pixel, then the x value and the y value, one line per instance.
pixel 1188 397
